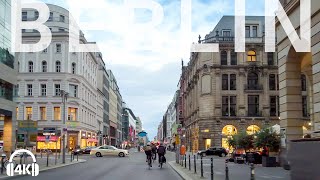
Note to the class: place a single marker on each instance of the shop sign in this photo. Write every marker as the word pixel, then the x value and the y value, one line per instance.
pixel 43 138
pixel 49 134
pixel 28 126
pixel 49 130
pixel 72 124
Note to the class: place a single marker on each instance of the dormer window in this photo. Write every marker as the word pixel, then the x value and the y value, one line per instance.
pixel 226 33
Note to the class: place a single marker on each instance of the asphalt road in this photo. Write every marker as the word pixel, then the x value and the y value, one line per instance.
pixel 111 168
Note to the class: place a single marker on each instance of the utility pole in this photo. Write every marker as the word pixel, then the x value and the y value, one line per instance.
pixel 64 95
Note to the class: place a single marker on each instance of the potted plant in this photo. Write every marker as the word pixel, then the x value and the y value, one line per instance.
pixel 268 140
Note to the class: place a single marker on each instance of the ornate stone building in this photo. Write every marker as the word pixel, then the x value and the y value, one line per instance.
pixel 294 95
pixel 228 92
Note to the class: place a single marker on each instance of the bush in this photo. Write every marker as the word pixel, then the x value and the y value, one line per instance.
pixel 267 138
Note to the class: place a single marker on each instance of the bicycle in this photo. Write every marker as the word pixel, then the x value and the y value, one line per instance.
pixel 6 162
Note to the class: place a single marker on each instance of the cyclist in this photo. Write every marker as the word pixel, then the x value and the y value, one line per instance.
pixel 154 151
pixel 148 152
pixel 161 152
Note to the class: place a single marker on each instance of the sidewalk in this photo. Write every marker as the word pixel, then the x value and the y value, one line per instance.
pixel 236 171
pixel 42 162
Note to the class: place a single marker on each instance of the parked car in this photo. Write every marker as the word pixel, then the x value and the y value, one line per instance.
pixel 87 149
pixel 108 151
pixel 220 151
pixel 77 151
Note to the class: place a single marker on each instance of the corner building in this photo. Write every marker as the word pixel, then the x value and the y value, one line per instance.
pixel 42 76
pixel 229 92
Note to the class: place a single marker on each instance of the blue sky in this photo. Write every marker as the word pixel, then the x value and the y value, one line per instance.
pixel 148 79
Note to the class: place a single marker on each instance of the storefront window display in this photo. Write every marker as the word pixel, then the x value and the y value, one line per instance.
pixel 227 132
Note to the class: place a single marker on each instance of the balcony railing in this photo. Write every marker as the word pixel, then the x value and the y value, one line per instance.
pixel 231 39
pixel 253 87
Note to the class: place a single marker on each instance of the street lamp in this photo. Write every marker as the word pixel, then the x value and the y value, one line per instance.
pixel 64 96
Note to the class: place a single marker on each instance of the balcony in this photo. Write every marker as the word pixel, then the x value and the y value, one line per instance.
pixel 253 88
pixel 6 58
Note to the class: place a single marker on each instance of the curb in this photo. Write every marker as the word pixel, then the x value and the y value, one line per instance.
pixel 183 175
pixel 47 169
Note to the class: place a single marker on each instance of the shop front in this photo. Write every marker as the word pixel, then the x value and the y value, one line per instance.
pixel 48 142
pixel 73 140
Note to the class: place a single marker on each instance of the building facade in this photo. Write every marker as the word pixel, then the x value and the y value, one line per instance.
pixel 43 75
pixel 228 92
pixel 8 74
pixel 129 124
pixel 299 77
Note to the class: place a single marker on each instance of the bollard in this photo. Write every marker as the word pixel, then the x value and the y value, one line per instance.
pixel 20 159
pixel 195 164
pixel 47 159
pixel 201 168
pixel 189 163
pixel 227 170
pixel 77 157
pixel 182 160
pixel 41 154
pixel 252 171
pixel 185 161
pixel 2 165
pixel 212 175
pixel 71 157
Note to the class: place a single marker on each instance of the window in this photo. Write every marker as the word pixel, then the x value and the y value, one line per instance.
pixel 305 106
pixel 44 66
pixel 253 105
pixel 272 82
pixel 62 18
pixel 58 66
pixel 234 58
pixel 224 58
pixel 73 90
pixel 29 89
pixel 24 16
pixel 252 56
pixel 226 33
pixel 29 113
pixel 303 82
pixel 57 90
pixel 16 90
pixel 51 16
pixel 225 82
pixel 270 59
pixel 30 66
pixel 43 90
pixel 58 48
pixel 273 106
pixel 253 81
pixel 73 68
pixel 233 82
pixel 254 31
pixel 247 31
pixel 36 15
pixel 43 115
pixel 45 49
pixel 57 113
pixel 229 104
pixel 61 30
pixel 277 82
pixel 72 114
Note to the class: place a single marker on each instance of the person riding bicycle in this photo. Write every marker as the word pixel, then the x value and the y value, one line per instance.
pixel 161 152
pixel 148 152
pixel 154 151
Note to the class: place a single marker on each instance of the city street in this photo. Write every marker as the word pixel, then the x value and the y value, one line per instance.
pixel 111 168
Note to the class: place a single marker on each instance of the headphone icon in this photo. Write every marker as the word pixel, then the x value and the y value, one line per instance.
pixel 34 165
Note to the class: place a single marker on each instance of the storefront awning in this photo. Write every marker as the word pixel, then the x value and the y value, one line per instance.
pixel 92 140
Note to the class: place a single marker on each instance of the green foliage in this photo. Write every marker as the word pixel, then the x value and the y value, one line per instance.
pixel 241 141
pixel 267 138
pixel 231 142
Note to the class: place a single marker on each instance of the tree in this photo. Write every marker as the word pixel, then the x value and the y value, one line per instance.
pixel 267 138
pixel 244 141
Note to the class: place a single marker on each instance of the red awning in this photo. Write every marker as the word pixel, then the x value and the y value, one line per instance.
pixel 92 140
pixel 43 138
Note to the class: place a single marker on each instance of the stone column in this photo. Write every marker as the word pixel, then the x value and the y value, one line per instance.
pixel 9 134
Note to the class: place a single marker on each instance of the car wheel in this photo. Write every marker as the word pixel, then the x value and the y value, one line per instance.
pixel 98 154
pixel 121 154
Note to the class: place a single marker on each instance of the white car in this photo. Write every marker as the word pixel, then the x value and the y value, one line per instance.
pixel 109 151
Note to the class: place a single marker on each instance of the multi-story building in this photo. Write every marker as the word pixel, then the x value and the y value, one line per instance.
pixel 138 125
pixel 160 132
pixel 8 75
pixel 44 74
pixel 103 89
pixel 129 124
pixel 228 92
pixel 114 114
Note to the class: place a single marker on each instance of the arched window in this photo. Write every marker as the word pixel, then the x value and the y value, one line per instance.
pixel 253 81
pixel 224 58
pixel 252 129
pixel 234 58
pixel 58 66
pixel 73 70
pixel 252 56
pixel 30 66
pixel 303 82
pixel 44 66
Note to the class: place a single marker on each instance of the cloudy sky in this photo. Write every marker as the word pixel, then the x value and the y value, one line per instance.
pixel 147 61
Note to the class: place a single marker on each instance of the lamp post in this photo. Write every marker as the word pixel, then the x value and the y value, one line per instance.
pixel 64 96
